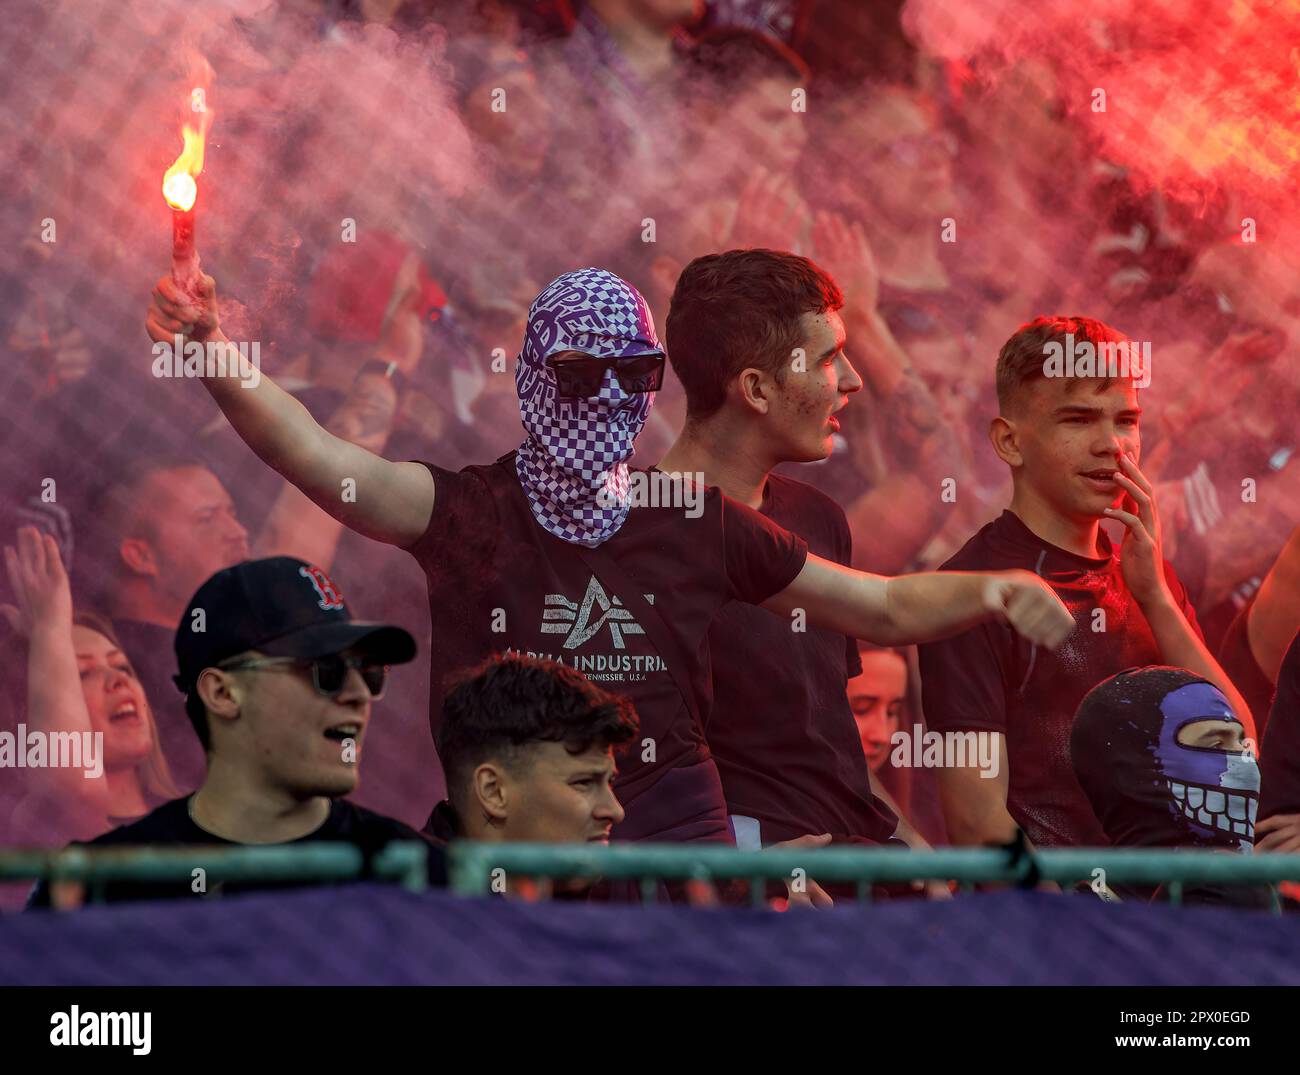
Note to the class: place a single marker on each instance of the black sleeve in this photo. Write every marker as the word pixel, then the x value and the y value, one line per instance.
pixel 844 555
pixel 464 521
pixel 761 558
pixel 852 659
pixel 962 681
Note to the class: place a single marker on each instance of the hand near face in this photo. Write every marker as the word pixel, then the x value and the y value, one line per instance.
pixel 1141 554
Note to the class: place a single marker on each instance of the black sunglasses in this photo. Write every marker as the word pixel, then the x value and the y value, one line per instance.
pixel 328 674
pixel 581 378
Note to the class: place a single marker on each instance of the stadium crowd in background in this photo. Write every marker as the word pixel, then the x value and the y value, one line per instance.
pixel 915 234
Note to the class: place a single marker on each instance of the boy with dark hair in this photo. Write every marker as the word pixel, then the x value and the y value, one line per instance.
pixel 756 339
pixel 527 746
pixel 279 681
pixel 1068 429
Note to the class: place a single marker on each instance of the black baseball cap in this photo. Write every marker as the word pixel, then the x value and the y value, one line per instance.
pixel 280 606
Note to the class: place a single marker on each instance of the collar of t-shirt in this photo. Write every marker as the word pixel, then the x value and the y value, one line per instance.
pixel 324 830
pixel 765 505
pixel 1010 532
pixel 443 824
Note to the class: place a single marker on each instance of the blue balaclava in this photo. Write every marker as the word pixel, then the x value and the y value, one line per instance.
pixel 573 462
pixel 1146 788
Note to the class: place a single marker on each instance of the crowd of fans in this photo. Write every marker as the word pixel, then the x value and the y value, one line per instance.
pixel 926 217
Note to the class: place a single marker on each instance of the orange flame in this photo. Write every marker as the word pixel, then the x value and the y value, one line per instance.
pixel 178 185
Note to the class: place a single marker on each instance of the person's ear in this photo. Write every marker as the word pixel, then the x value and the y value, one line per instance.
pixel 220 693
pixel 1005 439
pixel 137 554
pixel 491 792
pixel 753 387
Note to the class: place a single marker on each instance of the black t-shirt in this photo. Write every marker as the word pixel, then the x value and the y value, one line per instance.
pixel 780 727
pixel 1279 758
pixel 171 825
pixel 991 679
pixel 498 581
pixel 151 651
pixel 443 825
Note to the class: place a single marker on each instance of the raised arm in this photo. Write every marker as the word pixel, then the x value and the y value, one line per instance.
pixel 56 703
pixel 387 501
pixel 908 609
pixel 297 527
pixel 1273 619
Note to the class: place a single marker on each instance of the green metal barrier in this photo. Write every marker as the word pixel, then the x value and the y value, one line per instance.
pixel 404 862
pixel 472 865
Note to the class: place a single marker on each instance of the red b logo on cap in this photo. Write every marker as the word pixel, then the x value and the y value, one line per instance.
pixel 330 598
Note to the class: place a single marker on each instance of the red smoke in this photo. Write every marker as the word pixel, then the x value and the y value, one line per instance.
pixel 1198 98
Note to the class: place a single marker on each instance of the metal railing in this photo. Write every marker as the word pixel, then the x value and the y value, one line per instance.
pixel 404 862
pixel 474 865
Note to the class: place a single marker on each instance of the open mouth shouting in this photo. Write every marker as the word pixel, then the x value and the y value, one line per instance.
pixel 347 730
pixel 125 714
pixel 834 422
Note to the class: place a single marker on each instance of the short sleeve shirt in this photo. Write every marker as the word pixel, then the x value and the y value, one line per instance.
pixel 991 679
pixel 498 582
pixel 780 728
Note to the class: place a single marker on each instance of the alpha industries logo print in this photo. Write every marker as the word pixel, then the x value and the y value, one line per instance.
pixel 562 617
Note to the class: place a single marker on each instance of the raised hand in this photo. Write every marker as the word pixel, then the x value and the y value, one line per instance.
pixel 172 311
pixel 842 250
pixel 40 585
pixel 770 214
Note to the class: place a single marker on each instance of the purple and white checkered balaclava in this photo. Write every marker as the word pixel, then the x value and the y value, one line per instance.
pixel 573 463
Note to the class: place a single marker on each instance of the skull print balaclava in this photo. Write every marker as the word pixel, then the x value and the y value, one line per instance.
pixel 573 462
pixel 1146 788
